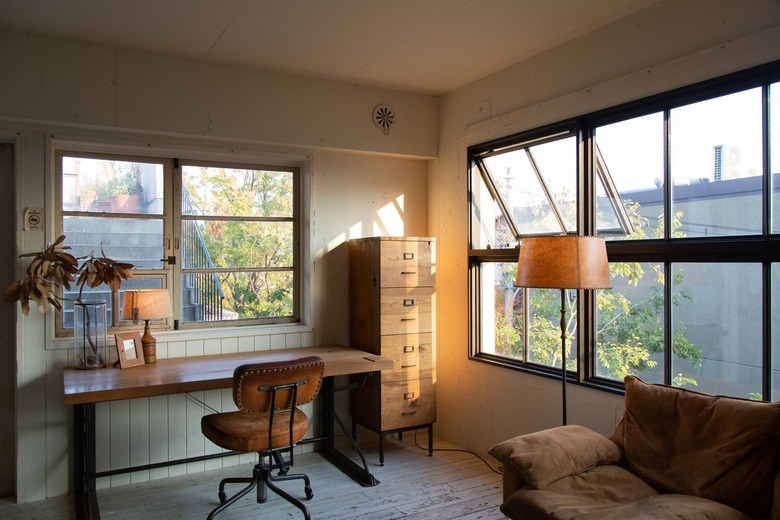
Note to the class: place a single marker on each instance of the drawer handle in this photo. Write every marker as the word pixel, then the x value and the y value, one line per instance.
pixel 409 303
pixel 408 366
pixel 409 395
pixel 409 413
pixel 408 348
pixel 408 256
pixel 408 272
pixel 408 319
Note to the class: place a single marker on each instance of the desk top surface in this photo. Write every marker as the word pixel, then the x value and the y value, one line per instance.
pixel 191 374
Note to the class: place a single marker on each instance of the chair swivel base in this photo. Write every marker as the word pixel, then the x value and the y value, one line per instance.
pixel 263 478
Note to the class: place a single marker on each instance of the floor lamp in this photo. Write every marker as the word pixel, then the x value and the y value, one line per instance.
pixel 563 262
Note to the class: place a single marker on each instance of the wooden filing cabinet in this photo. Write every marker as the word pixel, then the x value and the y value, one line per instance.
pixel 392 287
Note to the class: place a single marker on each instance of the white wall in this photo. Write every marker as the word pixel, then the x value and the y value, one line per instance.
pixel 669 45
pixel 360 182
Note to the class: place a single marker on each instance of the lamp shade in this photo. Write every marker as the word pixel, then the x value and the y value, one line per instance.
pixel 563 262
pixel 146 304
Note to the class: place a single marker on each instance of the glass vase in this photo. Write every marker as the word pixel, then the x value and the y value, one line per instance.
pixel 89 334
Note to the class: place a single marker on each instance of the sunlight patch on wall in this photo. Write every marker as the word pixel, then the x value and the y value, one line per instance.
pixel 391 218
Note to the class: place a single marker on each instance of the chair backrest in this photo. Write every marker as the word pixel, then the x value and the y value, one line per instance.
pixel 252 383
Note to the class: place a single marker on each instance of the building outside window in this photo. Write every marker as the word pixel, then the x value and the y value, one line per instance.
pixel 683 186
pixel 223 238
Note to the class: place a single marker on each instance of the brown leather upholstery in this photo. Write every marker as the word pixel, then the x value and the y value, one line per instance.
pixel 247 429
pixel 269 422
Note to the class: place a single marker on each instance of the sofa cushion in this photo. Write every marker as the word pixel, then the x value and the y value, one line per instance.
pixel 542 457
pixel 610 493
pixel 721 448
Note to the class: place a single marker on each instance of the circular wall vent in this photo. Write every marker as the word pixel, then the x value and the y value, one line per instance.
pixel 384 117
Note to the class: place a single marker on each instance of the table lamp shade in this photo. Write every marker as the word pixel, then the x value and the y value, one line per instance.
pixel 146 304
pixel 563 262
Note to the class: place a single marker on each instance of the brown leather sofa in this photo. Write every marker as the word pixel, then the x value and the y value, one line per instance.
pixel 676 454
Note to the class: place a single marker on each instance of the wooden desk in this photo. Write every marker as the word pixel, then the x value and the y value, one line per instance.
pixel 85 388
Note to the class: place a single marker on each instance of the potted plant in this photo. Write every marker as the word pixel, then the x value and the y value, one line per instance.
pixel 54 267
pixel 125 193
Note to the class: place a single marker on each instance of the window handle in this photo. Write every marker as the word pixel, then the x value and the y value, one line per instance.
pixel 171 260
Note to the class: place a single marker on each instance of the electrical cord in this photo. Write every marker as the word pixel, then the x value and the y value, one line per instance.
pixel 498 471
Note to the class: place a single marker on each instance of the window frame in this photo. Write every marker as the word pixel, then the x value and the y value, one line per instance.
pixel 763 248
pixel 171 275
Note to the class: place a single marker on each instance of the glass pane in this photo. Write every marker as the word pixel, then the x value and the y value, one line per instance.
pixel 544 329
pixel 520 177
pixel 235 192
pixel 235 244
pixel 630 323
pixel 489 228
pixel 138 282
pixel 239 295
pixel 633 159
pixel 138 241
pixel 775 325
pixel 501 310
pixel 774 153
pixel 716 166
pixel 111 186
pixel 716 328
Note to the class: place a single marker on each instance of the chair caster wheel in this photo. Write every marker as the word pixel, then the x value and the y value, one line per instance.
pixel 222 497
pixel 309 493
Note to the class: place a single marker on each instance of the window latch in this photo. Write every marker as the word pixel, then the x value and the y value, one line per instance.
pixel 171 260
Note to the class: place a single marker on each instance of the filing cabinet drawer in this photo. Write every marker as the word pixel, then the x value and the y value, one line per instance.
pixel 406 311
pixel 406 264
pixel 412 354
pixel 408 403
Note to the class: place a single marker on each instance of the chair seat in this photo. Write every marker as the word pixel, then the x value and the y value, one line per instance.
pixel 248 431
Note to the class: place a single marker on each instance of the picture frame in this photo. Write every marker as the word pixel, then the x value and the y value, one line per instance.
pixel 129 349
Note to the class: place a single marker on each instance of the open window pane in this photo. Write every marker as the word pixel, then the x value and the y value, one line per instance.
pixel 633 158
pixel 538 185
pixel 716 165
pixel 717 328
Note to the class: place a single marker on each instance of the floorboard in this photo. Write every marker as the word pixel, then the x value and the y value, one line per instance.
pixel 452 484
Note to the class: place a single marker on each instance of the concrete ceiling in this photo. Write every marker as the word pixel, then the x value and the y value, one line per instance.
pixel 422 46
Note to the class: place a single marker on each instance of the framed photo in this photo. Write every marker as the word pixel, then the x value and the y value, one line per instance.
pixel 129 350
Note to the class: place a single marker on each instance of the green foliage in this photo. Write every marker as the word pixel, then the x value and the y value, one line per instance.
pixel 630 336
pixel 263 250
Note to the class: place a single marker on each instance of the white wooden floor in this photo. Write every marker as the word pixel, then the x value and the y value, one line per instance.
pixel 449 485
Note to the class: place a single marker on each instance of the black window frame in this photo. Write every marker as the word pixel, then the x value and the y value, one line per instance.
pixel 763 248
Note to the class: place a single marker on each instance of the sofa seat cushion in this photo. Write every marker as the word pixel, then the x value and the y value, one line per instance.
pixel 715 447
pixel 610 493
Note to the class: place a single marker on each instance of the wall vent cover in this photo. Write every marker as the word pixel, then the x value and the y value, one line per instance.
pixel 384 117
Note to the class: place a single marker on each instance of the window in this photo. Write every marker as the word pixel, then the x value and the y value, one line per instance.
pixel 683 187
pixel 227 247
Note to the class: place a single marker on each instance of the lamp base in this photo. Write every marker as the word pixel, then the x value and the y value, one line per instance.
pixel 149 344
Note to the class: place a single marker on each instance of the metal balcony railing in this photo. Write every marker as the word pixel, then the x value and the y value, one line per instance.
pixel 201 291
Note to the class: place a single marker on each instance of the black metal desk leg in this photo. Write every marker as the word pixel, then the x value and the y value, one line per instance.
pixel 329 451
pixel 84 461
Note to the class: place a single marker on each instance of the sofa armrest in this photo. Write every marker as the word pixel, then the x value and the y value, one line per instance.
pixel 543 457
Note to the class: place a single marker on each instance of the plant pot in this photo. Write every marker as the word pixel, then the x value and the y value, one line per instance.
pixel 124 203
pixel 89 334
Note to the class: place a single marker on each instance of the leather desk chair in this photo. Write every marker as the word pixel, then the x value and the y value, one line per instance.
pixel 269 422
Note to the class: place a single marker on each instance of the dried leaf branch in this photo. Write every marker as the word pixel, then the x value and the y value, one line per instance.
pixel 53 267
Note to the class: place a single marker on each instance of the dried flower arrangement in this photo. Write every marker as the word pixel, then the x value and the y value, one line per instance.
pixel 53 267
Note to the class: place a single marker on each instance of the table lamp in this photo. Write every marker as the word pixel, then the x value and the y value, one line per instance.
pixel 563 262
pixel 147 305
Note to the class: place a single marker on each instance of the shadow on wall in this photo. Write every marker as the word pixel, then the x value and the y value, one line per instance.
pixel 7 330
